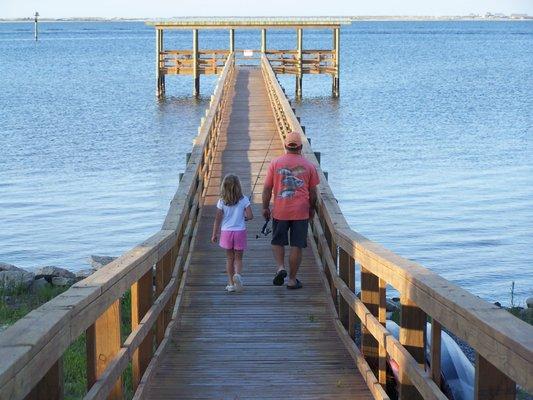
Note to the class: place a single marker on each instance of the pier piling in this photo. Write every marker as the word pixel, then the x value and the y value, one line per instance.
pixel 195 74
pixel 299 41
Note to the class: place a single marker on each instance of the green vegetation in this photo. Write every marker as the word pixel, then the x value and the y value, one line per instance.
pixel 18 301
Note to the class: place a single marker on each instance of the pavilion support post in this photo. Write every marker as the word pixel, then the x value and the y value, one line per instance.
pixel 195 71
pixel 299 41
pixel 336 50
pixel 263 40
pixel 232 40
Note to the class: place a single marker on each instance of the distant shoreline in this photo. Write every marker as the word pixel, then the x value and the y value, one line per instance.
pixel 354 19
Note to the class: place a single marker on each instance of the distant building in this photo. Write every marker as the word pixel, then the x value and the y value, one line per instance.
pixel 519 16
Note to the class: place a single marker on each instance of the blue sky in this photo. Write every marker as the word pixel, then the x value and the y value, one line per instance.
pixel 171 8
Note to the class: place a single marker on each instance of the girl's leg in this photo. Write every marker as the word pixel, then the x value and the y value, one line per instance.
pixel 230 270
pixel 238 261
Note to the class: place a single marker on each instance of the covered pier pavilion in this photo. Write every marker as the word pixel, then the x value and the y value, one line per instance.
pixel 296 61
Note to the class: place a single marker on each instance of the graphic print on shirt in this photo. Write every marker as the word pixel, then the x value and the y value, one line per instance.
pixel 290 180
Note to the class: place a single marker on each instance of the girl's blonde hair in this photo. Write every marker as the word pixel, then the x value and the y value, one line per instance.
pixel 230 190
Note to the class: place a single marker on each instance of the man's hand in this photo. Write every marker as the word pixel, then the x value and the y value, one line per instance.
pixel 311 213
pixel 266 213
pixel 214 238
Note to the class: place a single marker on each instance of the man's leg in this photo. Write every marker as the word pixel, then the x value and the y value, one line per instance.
pixel 298 234
pixel 279 256
pixel 280 239
pixel 295 259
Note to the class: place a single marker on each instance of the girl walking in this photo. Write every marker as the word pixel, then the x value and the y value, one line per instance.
pixel 233 209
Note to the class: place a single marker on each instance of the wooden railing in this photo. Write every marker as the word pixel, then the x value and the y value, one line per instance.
pixel 503 343
pixel 181 62
pixel 31 350
pixel 313 61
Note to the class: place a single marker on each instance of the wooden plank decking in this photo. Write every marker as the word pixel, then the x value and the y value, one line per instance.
pixel 267 342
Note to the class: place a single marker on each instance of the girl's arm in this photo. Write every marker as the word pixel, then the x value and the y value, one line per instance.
pixel 248 215
pixel 216 225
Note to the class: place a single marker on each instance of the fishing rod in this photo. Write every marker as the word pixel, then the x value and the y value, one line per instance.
pixel 265 230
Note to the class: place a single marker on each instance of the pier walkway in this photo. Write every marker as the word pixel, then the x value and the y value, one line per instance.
pixel 268 342
pixel 189 339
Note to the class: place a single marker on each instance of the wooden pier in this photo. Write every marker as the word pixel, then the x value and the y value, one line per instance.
pixel 297 61
pixel 192 340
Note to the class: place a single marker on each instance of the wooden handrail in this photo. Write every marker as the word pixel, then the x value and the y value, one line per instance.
pixel 32 348
pixel 504 344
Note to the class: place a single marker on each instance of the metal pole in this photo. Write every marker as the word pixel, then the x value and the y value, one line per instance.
pixel 36 27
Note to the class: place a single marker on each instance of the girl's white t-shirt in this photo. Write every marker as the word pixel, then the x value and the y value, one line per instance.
pixel 233 215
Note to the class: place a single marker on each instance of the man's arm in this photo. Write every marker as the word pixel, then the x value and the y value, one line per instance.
pixel 312 202
pixel 267 195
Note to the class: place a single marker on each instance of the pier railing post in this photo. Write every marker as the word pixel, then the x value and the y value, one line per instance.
pixel 160 278
pixel 333 251
pixel 412 337
pixel 299 42
pixel 51 386
pixel 351 285
pixel 195 71
pixel 491 383
pixel 370 296
pixel 141 301
pixel 103 342
pixel 382 318
pixel 345 266
pixel 435 360
pixel 167 276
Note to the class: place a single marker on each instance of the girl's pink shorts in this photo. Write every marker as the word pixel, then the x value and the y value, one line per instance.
pixel 235 240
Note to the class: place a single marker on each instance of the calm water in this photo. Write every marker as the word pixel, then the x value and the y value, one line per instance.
pixel 428 149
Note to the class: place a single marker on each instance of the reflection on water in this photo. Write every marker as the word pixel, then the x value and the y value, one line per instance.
pixel 428 148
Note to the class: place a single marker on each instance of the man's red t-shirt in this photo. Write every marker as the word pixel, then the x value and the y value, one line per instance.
pixel 290 177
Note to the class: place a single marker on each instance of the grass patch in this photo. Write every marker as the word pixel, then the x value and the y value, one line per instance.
pixel 16 302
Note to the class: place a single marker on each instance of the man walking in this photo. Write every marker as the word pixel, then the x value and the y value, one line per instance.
pixel 293 180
